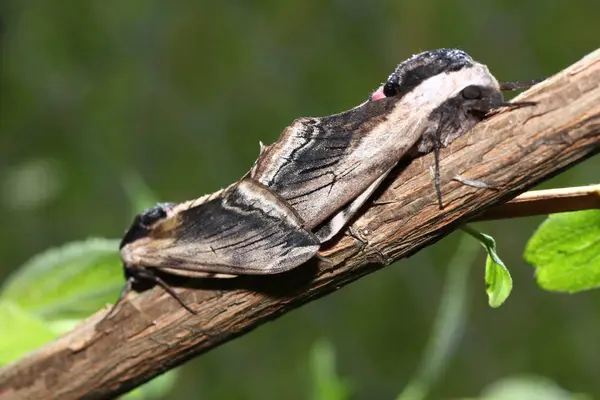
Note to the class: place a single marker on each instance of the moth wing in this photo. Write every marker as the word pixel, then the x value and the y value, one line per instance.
pixel 245 230
pixel 335 224
pixel 319 165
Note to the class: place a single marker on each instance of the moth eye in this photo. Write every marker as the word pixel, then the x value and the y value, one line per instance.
pixel 472 92
pixel 152 215
pixel 390 89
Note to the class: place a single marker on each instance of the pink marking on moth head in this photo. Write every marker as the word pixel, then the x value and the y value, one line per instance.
pixel 378 94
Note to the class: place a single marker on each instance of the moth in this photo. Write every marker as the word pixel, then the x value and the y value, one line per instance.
pixel 326 168
pixel 303 189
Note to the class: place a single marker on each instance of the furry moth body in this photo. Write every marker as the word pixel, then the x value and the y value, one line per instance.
pixel 305 187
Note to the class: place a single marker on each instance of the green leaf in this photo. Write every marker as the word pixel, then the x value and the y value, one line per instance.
pixel 20 332
pixel 327 385
pixel 68 282
pixel 498 282
pixel 565 250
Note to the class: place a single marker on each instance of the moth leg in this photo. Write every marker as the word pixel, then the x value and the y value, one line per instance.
pixel 353 233
pixel 361 236
pixel 362 243
pixel 339 220
pixel 124 292
pixel 144 274
pixel 436 143
pixel 135 274
pixel 436 173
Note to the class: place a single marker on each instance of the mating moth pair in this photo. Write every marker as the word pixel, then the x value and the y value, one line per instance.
pixel 304 188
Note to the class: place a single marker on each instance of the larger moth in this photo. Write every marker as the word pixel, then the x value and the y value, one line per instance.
pixel 305 187
pixel 326 168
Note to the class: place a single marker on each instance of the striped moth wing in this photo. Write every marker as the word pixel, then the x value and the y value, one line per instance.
pixel 326 168
pixel 244 229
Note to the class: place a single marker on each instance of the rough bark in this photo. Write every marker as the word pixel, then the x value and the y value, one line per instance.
pixel 151 333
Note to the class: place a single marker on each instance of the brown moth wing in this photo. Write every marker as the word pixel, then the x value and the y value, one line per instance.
pixel 321 164
pixel 245 229
pixel 336 223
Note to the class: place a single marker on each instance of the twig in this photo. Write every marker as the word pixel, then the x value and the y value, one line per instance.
pixel 543 202
pixel 152 333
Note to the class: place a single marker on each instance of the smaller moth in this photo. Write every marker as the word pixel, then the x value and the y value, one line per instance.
pixel 304 188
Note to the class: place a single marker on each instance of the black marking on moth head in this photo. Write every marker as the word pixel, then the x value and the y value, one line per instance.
pixel 422 66
pixel 144 221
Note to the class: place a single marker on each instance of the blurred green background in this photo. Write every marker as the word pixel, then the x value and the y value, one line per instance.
pixel 182 92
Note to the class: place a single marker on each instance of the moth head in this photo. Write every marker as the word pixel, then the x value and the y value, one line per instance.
pixel 421 67
pixel 433 77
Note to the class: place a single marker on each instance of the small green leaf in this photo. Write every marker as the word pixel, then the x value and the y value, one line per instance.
pixel 67 282
pixel 20 332
pixel 498 282
pixel 326 383
pixel 565 250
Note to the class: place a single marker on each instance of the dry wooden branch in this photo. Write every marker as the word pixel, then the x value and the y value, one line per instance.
pixel 513 151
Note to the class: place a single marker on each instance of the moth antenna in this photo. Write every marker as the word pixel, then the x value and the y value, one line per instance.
pixel 517 104
pixel 520 85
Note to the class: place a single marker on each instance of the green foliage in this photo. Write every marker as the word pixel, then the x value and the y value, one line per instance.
pixel 53 291
pixel 565 251
pixel 498 282
pixel 20 332
pixel 326 383
pixel 67 282
pixel 59 287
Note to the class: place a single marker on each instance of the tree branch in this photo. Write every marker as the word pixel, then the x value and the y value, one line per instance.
pixel 512 151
